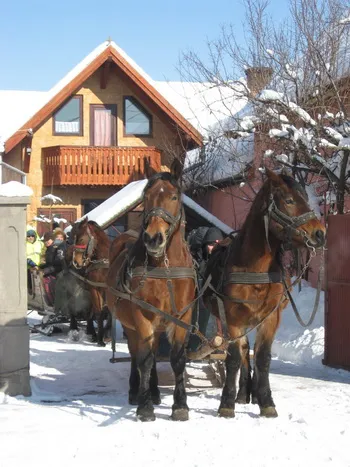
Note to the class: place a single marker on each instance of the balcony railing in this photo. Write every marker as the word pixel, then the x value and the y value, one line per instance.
pixel 94 165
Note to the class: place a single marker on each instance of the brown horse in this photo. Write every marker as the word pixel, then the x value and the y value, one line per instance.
pixel 155 271
pixel 88 257
pixel 248 272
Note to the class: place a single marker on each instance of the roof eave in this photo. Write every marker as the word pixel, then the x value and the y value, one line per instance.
pixel 70 88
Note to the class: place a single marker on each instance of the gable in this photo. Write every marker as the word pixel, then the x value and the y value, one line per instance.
pixel 75 79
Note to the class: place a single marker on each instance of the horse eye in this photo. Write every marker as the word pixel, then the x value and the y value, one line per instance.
pixel 174 198
pixel 290 201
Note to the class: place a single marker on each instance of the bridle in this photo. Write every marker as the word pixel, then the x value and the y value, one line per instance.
pixel 289 224
pixel 88 251
pixel 173 221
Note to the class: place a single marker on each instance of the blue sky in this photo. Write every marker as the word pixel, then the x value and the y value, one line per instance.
pixel 40 41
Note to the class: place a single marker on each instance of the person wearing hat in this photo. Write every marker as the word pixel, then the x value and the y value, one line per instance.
pixel 34 252
pixel 34 249
pixel 211 238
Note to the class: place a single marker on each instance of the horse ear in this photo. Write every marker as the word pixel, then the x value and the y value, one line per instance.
pixel 176 169
pixel 272 176
pixel 149 171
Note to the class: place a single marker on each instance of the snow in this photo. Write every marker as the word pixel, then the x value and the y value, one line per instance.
pixel 52 198
pixel 202 104
pixel 13 188
pixel 130 196
pixel 78 412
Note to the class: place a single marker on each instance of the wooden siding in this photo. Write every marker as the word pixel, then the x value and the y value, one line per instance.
pixel 337 316
pixel 93 165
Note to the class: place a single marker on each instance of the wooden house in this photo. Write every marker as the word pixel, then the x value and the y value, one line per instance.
pixel 92 134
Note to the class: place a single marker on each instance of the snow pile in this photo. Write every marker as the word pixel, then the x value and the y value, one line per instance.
pixel 15 189
pixel 294 343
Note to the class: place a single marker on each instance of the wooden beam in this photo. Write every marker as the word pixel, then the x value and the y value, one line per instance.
pixel 105 73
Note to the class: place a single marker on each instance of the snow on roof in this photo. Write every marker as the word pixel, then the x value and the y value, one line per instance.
pixel 203 104
pixel 11 189
pixel 200 103
pixel 130 196
pixel 16 108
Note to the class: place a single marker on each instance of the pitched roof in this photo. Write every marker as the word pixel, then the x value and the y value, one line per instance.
pixel 201 105
pixel 43 107
pixel 131 195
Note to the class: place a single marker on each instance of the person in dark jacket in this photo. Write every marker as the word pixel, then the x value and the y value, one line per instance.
pixel 212 237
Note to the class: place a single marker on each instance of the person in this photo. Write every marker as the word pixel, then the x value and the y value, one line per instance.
pixel 48 267
pixel 34 252
pixel 211 237
pixel 61 248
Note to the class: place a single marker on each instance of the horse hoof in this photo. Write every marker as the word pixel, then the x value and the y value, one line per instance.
pixel 133 399
pixel 226 412
pixel 242 399
pixel 254 400
pixel 145 415
pixel 179 415
pixel 268 412
pixel 101 344
pixel 156 399
pixel 74 335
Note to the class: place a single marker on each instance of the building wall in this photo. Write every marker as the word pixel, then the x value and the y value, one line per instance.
pixel 164 136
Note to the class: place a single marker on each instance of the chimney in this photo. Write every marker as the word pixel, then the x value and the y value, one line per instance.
pixel 258 78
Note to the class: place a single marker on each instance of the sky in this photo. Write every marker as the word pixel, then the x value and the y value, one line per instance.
pixel 40 41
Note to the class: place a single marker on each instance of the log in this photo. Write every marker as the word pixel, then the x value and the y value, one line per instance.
pixel 206 349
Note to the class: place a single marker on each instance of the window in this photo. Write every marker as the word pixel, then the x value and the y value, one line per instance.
pixel 68 120
pixel 137 121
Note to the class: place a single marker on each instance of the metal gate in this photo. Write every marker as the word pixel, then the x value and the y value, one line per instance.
pixel 337 303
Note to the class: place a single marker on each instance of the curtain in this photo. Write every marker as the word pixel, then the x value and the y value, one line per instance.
pixel 102 127
pixel 67 127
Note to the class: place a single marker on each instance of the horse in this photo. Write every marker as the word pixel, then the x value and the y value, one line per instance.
pixel 151 287
pixel 247 273
pixel 88 260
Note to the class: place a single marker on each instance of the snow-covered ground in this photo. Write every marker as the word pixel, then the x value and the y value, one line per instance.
pixel 78 413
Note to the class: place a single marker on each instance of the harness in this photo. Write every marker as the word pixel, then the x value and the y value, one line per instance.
pixel 123 290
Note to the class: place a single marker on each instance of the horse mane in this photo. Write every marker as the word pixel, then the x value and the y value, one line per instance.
pixel 166 176
pixel 294 185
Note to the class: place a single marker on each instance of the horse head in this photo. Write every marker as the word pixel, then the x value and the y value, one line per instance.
pixel 288 215
pixel 84 243
pixel 162 209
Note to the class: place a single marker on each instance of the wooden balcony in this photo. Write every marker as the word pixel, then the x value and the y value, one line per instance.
pixel 94 165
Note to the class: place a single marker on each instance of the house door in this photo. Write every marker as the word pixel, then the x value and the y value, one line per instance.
pixel 103 125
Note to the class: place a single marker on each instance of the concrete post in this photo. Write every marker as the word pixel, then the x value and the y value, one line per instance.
pixel 14 331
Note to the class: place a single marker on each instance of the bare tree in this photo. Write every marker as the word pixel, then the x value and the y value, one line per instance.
pixel 303 117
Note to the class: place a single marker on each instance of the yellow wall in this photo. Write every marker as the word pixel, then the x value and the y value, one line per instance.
pixel 163 136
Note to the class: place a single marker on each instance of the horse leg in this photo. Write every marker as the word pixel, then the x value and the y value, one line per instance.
pixel 233 363
pixel 178 362
pixel 90 328
pixel 100 330
pixel 153 383
pixel 97 306
pixel 134 378
pixel 145 361
pixel 245 378
pixel 73 325
pixel 262 356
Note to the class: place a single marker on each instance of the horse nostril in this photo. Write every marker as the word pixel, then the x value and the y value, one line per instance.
pixel 319 234
pixel 154 241
pixel 146 237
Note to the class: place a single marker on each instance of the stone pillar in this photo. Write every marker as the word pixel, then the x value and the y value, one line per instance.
pixel 14 331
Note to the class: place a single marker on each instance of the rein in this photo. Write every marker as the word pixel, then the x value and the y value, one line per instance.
pixel 166 216
pixel 289 224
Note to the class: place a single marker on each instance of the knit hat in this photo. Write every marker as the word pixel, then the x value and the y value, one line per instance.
pixel 31 233
pixel 213 235
pixel 48 236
